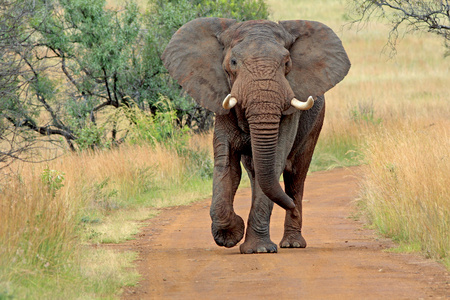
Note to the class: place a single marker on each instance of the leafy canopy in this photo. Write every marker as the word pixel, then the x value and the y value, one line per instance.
pixel 80 61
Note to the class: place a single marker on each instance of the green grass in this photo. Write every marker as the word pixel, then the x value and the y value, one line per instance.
pixel 334 152
pixel 123 224
pixel 91 274
pixel 118 226
pixel 403 247
pixel 172 195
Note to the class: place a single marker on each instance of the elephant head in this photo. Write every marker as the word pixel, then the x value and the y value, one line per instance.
pixel 260 69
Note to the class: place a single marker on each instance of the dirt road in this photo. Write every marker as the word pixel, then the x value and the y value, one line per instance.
pixel 343 260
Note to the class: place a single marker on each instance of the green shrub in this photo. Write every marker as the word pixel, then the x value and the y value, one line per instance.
pixel 52 179
pixel 158 128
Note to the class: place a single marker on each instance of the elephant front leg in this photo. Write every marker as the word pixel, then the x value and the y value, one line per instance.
pixel 257 237
pixel 227 227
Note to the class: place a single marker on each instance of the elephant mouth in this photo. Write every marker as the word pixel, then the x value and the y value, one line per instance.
pixel 229 102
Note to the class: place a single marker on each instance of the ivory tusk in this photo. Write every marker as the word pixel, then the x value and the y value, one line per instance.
pixel 303 105
pixel 229 102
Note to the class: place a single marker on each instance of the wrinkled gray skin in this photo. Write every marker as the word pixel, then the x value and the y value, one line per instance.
pixel 263 65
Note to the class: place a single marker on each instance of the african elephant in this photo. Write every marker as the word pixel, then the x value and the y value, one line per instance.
pixel 251 75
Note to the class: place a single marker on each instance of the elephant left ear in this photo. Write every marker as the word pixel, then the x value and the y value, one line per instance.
pixel 194 58
pixel 319 60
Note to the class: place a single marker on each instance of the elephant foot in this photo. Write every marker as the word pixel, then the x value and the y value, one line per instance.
pixel 229 235
pixel 258 246
pixel 294 240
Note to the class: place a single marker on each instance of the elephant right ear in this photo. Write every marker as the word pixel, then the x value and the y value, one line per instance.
pixel 194 58
pixel 319 60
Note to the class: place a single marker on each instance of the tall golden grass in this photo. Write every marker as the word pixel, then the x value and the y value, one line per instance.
pixel 37 227
pixel 406 186
pixel 47 208
pixel 392 112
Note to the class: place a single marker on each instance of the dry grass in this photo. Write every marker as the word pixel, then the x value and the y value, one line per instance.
pixel 129 170
pixel 92 196
pixel 407 185
pixel 393 111
pixel 37 228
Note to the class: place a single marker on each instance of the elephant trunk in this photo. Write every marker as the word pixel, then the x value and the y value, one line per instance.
pixel 264 140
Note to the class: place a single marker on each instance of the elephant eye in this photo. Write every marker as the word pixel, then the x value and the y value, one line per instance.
pixel 233 62
pixel 287 65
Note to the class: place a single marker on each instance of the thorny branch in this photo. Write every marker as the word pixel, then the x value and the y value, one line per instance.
pixel 416 15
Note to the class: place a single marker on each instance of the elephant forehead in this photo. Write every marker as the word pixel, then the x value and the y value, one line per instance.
pixel 258 50
pixel 254 29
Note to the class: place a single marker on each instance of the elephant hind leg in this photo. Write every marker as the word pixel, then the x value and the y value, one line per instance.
pixel 257 237
pixel 295 175
pixel 292 237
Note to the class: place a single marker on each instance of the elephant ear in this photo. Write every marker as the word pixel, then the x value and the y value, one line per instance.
pixel 319 60
pixel 194 58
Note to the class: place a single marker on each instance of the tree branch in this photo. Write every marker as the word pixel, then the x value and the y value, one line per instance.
pixel 430 16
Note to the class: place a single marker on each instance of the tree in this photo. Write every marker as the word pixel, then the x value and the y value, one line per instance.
pixel 415 15
pixel 77 53
pixel 16 143
pixel 69 68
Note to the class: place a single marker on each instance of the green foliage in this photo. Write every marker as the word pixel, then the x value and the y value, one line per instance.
pixel 75 64
pixel 234 9
pixel 158 128
pixel 91 137
pixel 53 179
pixel 201 164
pixel 82 57
pixel 364 112
pixel 104 197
